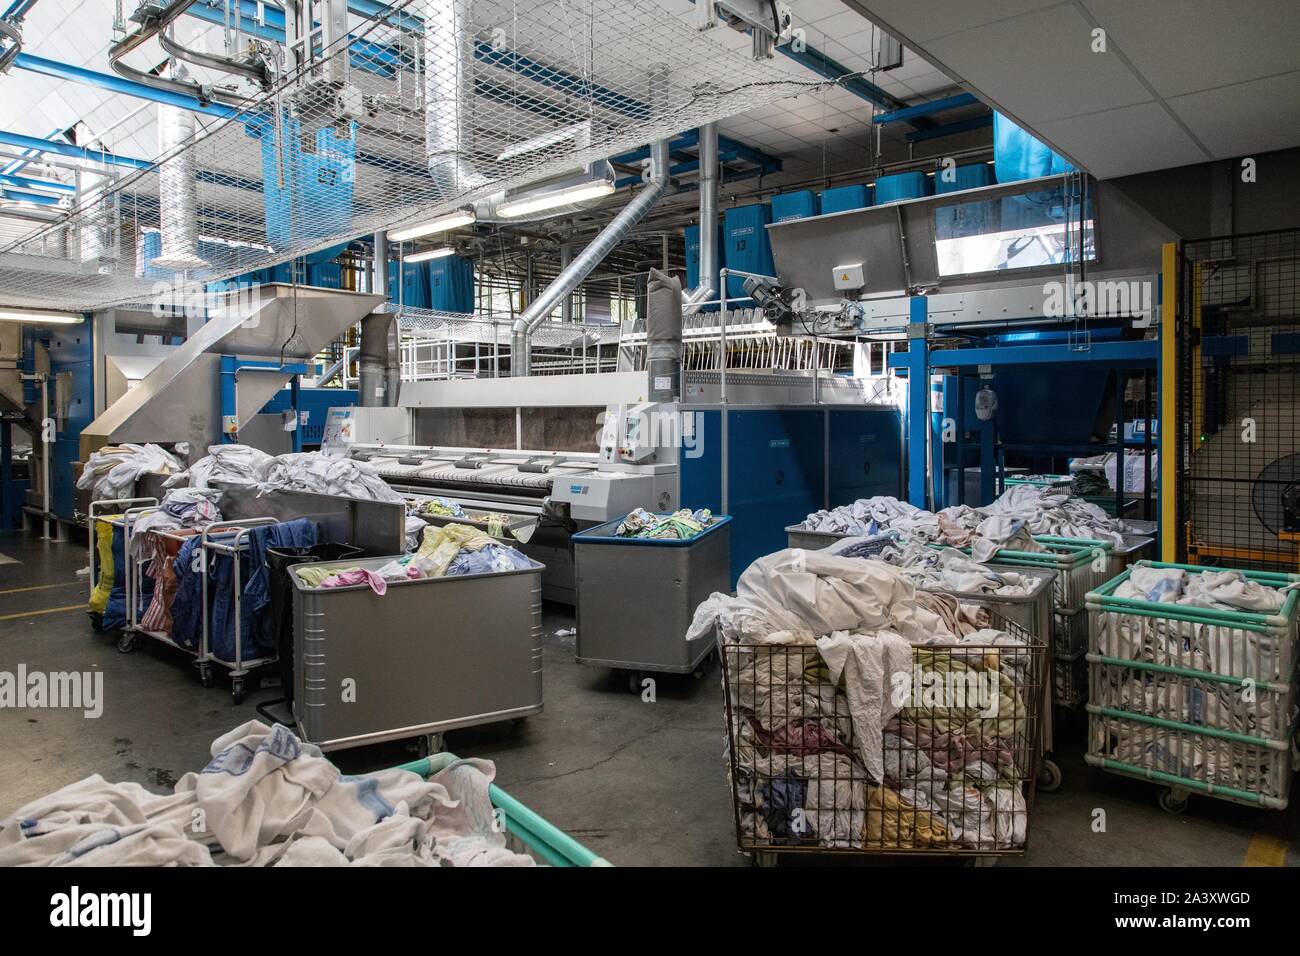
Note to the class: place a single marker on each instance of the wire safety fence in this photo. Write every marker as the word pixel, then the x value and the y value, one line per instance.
pixel 1239 400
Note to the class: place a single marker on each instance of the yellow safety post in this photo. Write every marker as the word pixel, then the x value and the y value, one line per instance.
pixel 1168 397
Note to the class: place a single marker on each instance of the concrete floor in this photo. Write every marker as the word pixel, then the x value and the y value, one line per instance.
pixel 639 783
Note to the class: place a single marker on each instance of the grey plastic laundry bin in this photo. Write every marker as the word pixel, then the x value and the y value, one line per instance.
pixel 636 596
pixel 430 655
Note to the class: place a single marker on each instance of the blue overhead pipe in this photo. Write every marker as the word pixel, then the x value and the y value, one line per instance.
pixel 118 84
pixel 67 149
pixel 23 182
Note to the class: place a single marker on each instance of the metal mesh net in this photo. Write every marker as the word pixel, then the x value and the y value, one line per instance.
pixel 427 106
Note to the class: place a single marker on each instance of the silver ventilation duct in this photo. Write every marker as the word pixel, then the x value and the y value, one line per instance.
pixel 449 97
pixel 178 195
pixel 708 288
pixel 587 260
pixel 663 336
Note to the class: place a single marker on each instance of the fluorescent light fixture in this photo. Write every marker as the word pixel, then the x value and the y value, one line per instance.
pixel 441 252
pixel 462 217
pixel 560 197
pixel 38 317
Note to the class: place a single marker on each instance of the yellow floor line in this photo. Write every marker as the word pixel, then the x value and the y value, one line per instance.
pixel 1265 850
pixel 48 610
pixel 43 587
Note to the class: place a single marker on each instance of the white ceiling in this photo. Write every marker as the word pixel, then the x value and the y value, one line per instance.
pixel 1181 81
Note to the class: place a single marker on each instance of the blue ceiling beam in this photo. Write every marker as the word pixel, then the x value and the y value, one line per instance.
pixel 907 114
pixel 824 66
pixel 947 129
pixel 22 195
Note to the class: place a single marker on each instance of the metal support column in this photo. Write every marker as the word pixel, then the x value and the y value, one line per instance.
pixel 918 398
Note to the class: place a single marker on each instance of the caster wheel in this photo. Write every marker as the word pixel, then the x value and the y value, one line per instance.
pixel 126 643
pixel 205 676
pixel 765 860
pixel 237 689
pixel 634 682
pixel 1171 801
pixel 981 862
pixel 1049 777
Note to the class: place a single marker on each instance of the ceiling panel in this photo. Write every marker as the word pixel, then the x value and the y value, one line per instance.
pixel 1246 117
pixel 1214 78
pixel 1044 62
pixel 1154 138
pixel 926 21
pixel 1218 43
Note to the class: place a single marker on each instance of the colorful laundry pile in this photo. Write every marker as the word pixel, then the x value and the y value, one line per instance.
pixel 680 525
pixel 1179 629
pixel 447 551
pixel 267 799
pixel 442 508
pixel 866 715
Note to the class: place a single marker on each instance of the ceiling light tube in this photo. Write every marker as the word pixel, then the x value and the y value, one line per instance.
pixel 441 252
pixel 39 317
pixel 462 217
pixel 526 205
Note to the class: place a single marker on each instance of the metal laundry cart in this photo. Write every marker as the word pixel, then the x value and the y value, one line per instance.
pixel 1201 700
pixel 428 656
pixel 636 597
pixel 526 831
pixel 137 605
pixel 228 539
pixel 97 511
pixel 799 771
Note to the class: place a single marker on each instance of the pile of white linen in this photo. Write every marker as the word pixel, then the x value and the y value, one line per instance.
pixel 312 471
pixel 305 471
pixel 267 799
pixel 113 471
pixel 229 464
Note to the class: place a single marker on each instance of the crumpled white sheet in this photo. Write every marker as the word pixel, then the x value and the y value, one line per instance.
pixel 232 464
pixel 794 596
pixel 311 471
pixel 1224 590
pixel 867 663
pixel 112 471
pixel 266 798
pixel 1053 510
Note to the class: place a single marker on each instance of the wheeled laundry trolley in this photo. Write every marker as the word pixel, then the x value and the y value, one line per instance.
pixel 526 831
pixel 1200 700
pixel 428 656
pixel 636 597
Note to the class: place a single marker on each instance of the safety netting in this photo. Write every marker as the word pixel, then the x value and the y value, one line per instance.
pixel 425 108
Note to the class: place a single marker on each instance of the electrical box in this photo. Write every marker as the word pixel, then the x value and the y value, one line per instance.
pixel 849 277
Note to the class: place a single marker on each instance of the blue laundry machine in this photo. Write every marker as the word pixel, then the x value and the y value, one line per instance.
pixel 769 466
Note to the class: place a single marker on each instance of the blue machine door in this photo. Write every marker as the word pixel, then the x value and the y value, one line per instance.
pixel 776 467
pixel 866 451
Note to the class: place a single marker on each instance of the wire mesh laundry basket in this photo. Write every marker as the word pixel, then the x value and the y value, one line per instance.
pixel 1201 700
pixel 958 771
